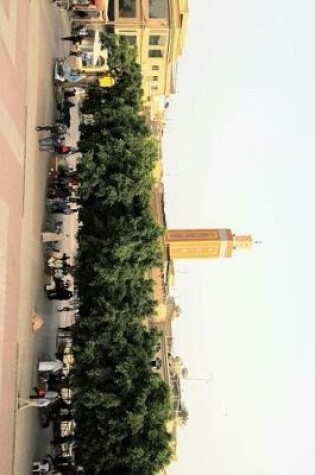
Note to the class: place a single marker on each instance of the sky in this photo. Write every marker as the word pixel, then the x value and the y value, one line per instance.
pixel 239 153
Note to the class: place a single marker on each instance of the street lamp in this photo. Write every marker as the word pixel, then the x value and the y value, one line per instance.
pixel 185 375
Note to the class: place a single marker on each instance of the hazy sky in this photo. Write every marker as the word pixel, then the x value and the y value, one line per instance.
pixel 239 152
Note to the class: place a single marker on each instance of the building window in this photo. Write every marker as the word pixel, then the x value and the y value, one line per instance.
pixel 157 9
pixel 127 8
pixel 131 39
pixel 156 53
pixel 89 60
pixel 111 10
pixel 157 40
pixel 155 67
pixel 155 78
pixel 154 88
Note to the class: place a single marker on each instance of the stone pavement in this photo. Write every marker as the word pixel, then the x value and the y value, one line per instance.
pixel 29 40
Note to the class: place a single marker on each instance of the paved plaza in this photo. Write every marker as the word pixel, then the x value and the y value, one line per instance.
pixel 30 34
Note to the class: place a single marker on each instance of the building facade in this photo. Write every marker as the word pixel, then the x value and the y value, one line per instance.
pixel 204 243
pixel 157 29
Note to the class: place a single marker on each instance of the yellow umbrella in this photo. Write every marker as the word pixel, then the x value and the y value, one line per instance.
pixel 107 81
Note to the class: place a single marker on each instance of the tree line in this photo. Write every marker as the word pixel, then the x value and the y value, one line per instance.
pixel 121 406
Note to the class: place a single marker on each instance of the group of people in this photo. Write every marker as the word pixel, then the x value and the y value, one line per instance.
pixel 63 183
pixel 39 393
pixel 61 194
pixel 56 139
pixel 62 199
pixel 60 261
pixel 62 268
pixel 60 291
pixel 56 143
pixel 57 263
pixel 63 207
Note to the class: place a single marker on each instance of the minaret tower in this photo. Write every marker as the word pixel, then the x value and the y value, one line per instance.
pixel 204 243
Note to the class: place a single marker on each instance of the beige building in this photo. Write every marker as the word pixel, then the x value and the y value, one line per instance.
pixel 157 28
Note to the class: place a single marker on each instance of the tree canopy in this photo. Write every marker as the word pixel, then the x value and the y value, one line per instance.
pixel 121 406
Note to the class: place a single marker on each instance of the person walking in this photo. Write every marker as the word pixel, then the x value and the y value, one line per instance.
pixel 75 39
pixel 64 209
pixel 52 237
pixel 39 393
pixel 58 148
pixel 66 150
pixel 53 140
pixel 54 129
pixel 61 256
pixel 61 295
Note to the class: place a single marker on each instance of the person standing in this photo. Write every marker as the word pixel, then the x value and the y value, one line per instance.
pixel 52 237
